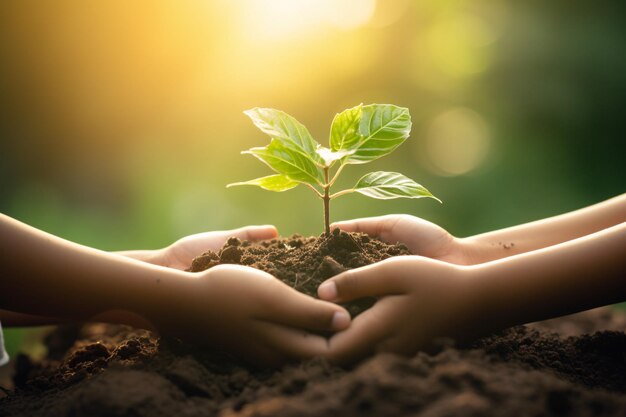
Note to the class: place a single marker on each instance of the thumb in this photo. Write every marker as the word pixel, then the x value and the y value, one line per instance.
pixel 284 305
pixel 380 227
pixel 254 233
pixel 303 312
pixel 370 281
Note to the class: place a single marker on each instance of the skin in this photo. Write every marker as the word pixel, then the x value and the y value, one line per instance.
pixel 460 287
pixel 178 255
pixel 428 239
pixel 240 309
pixel 466 288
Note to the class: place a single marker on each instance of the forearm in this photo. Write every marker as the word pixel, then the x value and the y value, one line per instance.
pixel 562 279
pixel 543 233
pixel 13 319
pixel 44 275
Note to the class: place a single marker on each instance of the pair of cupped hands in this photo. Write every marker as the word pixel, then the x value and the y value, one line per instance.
pixel 257 317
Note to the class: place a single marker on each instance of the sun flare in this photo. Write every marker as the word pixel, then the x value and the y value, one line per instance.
pixel 281 19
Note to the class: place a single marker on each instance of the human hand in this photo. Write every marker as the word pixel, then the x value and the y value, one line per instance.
pixel 420 236
pixel 420 300
pixel 249 313
pixel 180 254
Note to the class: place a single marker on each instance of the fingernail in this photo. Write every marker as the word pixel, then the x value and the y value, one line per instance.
pixel 340 321
pixel 327 291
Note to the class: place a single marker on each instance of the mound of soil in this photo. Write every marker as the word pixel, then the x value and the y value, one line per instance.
pixel 572 366
pixel 304 263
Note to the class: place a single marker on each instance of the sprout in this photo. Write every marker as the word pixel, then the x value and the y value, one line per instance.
pixel 357 136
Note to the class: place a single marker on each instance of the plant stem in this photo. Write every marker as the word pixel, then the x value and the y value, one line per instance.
pixel 326 202
pixel 342 192
pixel 314 189
pixel 336 175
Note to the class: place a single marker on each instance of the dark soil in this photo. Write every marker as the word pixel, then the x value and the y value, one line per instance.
pixel 572 366
pixel 304 263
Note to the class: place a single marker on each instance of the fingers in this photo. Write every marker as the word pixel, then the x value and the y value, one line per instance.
pixel 370 281
pixel 271 300
pixel 253 350
pixel 397 344
pixel 291 344
pixel 382 227
pixel 367 331
pixel 180 254
pixel 291 308
pixel 254 233
pixel 260 357
pixel 372 226
pixel 419 235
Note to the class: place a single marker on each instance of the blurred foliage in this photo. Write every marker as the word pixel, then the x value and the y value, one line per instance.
pixel 121 122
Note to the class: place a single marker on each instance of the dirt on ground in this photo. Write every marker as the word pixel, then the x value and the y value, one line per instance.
pixel 572 366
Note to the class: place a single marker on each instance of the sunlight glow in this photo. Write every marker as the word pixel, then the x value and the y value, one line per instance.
pixel 350 14
pixel 389 12
pixel 280 19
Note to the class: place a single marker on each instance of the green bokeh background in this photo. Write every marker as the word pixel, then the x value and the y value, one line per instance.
pixel 120 124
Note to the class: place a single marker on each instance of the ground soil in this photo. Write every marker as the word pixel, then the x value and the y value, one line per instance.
pixel 572 366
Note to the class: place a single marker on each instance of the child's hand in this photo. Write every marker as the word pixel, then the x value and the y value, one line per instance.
pixel 420 236
pixel 421 300
pixel 249 313
pixel 180 253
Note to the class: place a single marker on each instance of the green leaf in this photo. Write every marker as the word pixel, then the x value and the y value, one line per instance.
pixel 383 127
pixel 285 128
pixel 276 183
pixel 286 161
pixel 344 131
pixel 387 185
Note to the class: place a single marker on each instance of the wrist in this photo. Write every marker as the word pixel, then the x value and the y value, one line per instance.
pixel 154 257
pixel 475 250
pixel 493 298
pixel 471 306
pixel 158 294
pixel 471 250
pixel 466 252
pixel 158 256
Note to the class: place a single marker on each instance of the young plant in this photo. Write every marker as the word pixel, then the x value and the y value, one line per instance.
pixel 357 136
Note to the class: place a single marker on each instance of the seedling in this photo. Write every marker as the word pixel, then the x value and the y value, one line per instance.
pixel 357 136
